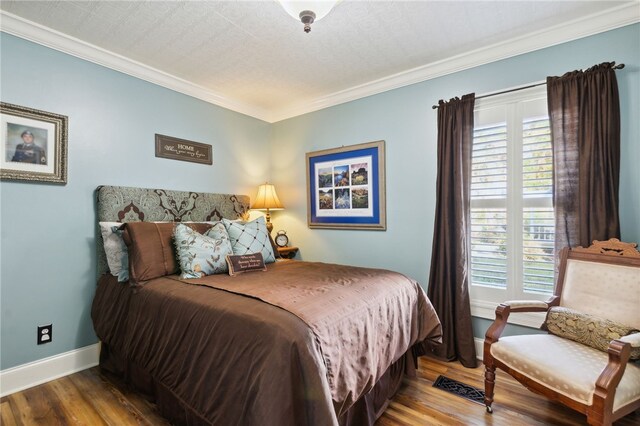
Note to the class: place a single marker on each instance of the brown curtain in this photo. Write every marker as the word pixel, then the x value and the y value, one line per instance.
pixel 448 278
pixel 585 126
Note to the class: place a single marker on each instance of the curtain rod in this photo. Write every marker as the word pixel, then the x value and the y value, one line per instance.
pixel 615 67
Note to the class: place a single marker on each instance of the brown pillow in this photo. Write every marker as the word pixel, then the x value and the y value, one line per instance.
pixel 587 329
pixel 151 249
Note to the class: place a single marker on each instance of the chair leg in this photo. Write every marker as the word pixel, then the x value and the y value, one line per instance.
pixel 597 416
pixel 489 383
pixel 597 420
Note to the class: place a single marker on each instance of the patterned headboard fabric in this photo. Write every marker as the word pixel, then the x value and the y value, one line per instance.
pixel 125 204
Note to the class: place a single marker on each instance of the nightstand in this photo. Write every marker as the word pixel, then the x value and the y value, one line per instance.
pixel 287 252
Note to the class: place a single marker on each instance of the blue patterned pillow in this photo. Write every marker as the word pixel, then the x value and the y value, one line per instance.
pixel 250 237
pixel 199 254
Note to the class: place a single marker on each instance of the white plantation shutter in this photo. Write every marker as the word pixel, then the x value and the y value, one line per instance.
pixel 512 219
pixel 488 248
pixel 537 164
pixel 488 206
pixel 489 165
pixel 537 250
pixel 538 228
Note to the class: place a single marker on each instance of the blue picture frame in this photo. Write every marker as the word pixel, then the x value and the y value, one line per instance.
pixel 346 187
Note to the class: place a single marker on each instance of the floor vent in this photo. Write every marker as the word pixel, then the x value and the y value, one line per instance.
pixel 460 389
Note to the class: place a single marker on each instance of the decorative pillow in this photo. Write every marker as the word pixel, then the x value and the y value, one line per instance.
pixel 200 255
pixel 151 249
pixel 587 329
pixel 250 237
pixel 239 263
pixel 115 249
pixel 274 247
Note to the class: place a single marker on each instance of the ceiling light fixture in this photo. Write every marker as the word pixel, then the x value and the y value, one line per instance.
pixel 308 11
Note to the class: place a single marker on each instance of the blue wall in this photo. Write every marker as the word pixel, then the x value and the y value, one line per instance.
pixel 47 257
pixel 48 231
pixel 405 119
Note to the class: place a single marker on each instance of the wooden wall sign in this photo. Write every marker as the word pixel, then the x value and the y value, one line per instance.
pixel 184 150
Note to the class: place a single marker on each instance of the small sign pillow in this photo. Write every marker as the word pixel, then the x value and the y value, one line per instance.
pixel 239 263
pixel 200 255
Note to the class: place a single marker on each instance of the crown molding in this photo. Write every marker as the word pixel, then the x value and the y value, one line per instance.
pixel 28 30
pixel 592 24
pixel 589 25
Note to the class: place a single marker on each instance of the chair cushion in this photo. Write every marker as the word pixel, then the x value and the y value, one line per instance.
pixel 567 367
pixel 587 329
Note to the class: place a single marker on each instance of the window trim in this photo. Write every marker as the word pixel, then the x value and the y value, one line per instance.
pixel 486 309
pixel 480 307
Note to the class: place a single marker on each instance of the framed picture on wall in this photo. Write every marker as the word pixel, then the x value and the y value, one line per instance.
pixel 34 144
pixel 346 187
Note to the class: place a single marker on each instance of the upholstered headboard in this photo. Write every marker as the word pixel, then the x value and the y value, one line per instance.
pixel 125 204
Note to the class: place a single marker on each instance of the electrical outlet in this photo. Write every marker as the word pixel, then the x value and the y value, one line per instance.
pixel 45 334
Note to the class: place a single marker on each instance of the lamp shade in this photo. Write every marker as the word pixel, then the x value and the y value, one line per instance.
pixel 267 198
pixel 320 7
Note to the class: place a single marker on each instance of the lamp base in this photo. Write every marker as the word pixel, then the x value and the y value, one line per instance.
pixel 269 224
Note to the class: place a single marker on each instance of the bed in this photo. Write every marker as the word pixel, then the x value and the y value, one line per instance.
pixel 303 343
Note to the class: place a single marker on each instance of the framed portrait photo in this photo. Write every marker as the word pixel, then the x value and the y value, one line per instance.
pixel 346 187
pixel 34 144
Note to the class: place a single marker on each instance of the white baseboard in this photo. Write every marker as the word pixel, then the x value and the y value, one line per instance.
pixel 44 370
pixel 479 347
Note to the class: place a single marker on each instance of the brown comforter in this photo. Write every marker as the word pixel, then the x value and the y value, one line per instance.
pixel 323 338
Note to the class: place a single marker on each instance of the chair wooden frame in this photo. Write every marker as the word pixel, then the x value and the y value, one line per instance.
pixel 600 412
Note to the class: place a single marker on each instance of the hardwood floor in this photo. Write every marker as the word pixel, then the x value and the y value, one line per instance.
pixel 89 398
pixel 418 403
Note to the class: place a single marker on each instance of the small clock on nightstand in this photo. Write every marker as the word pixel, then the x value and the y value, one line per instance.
pixel 281 241
pixel 281 238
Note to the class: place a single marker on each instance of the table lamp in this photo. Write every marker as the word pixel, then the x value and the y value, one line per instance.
pixel 267 199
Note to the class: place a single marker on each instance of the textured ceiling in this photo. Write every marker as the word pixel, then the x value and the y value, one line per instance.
pixel 254 53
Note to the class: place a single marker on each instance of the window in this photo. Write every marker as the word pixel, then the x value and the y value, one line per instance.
pixel 512 219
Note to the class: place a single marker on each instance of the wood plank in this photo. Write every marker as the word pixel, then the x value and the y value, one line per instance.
pixel 38 406
pixel 424 414
pixel 147 410
pixel 6 414
pixel 107 400
pixel 77 409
